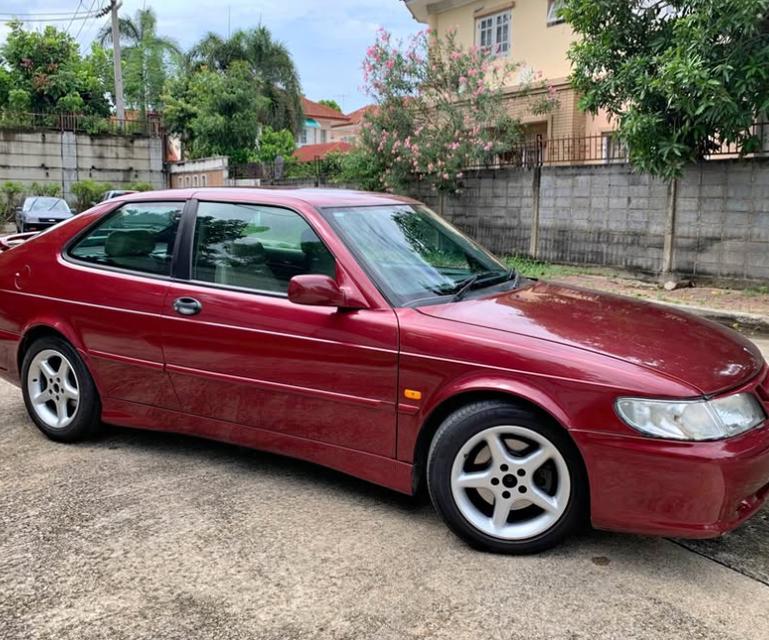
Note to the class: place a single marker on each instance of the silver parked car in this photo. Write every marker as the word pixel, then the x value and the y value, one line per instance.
pixel 40 212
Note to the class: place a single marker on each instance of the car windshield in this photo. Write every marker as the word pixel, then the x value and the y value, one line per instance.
pixel 48 204
pixel 413 255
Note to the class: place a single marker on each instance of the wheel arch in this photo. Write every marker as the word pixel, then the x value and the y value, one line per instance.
pixel 37 330
pixel 450 403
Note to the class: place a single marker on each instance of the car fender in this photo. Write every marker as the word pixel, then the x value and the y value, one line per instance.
pixel 60 327
pixel 485 382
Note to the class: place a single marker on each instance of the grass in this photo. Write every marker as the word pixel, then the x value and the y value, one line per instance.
pixel 761 290
pixel 546 270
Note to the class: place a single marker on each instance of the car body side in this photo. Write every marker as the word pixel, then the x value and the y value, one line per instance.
pixel 636 483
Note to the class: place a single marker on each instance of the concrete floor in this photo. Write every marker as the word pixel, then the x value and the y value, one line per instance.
pixel 147 535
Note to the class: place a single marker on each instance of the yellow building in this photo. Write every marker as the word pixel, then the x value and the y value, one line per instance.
pixel 530 34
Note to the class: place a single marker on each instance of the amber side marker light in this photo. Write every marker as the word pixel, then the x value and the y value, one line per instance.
pixel 412 394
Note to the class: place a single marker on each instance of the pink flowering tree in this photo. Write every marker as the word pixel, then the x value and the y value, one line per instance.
pixel 439 111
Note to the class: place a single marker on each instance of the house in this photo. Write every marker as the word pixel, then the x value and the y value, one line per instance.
pixel 311 152
pixel 326 130
pixel 530 33
pixel 318 122
pixel 348 131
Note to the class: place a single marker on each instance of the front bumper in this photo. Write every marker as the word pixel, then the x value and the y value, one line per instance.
pixel 689 490
pixel 39 226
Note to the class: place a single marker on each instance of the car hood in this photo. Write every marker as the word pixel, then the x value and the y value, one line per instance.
pixel 694 351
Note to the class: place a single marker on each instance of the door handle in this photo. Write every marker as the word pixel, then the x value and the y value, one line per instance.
pixel 187 306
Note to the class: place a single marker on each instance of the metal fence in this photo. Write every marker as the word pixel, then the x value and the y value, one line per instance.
pixel 80 123
pixel 608 149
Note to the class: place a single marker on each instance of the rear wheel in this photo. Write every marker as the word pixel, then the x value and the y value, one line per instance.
pixel 506 479
pixel 59 393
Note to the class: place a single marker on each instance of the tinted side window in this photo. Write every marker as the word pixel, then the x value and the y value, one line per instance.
pixel 256 247
pixel 138 236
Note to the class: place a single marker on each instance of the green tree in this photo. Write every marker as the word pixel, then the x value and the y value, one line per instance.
pixel 43 71
pixel 332 104
pixel 147 59
pixel 275 143
pixel 217 112
pixel 269 64
pixel 679 77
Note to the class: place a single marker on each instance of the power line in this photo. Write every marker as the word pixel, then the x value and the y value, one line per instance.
pixel 55 19
pixel 38 15
pixel 82 24
pixel 77 9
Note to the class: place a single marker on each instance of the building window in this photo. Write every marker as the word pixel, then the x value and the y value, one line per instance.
pixel 323 136
pixel 554 11
pixel 493 33
pixel 194 181
pixel 203 180
pixel 303 136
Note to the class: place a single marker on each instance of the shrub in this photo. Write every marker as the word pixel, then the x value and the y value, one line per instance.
pixel 140 186
pixel 10 198
pixel 50 189
pixel 88 193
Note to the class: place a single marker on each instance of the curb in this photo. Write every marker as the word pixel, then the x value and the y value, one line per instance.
pixel 752 321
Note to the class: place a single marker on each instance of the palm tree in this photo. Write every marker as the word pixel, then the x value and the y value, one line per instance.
pixel 271 64
pixel 146 59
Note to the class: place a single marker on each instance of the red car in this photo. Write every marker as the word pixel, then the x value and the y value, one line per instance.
pixel 362 332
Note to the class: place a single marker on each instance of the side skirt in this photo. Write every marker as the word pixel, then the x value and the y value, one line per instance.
pixel 387 472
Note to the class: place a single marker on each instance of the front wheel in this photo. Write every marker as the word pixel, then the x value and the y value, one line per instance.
pixel 59 393
pixel 506 479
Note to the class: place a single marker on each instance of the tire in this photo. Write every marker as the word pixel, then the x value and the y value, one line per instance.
pixel 59 392
pixel 507 479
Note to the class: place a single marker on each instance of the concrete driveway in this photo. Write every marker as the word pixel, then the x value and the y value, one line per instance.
pixel 157 536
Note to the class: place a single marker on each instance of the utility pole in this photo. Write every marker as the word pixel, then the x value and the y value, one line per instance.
pixel 119 103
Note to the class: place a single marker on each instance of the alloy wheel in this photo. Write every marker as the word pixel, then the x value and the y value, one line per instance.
pixel 53 389
pixel 510 482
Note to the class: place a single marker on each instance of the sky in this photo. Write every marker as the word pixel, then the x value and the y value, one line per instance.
pixel 327 38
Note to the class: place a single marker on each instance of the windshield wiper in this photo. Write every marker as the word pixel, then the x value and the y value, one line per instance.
pixel 464 286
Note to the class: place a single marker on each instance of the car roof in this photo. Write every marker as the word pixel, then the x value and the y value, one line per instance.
pixel 314 197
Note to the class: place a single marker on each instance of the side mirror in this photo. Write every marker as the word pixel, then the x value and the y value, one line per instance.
pixel 321 291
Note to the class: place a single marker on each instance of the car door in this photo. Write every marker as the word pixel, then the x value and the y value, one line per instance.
pixel 119 270
pixel 238 351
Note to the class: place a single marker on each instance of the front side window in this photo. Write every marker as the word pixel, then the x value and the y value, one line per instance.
pixel 493 33
pixel 138 236
pixel 412 254
pixel 256 247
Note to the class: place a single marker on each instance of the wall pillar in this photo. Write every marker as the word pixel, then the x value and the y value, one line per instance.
pixel 669 246
pixel 536 181
pixel 69 172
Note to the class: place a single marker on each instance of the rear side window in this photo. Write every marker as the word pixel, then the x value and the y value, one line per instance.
pixel 256 247
pixel 138 236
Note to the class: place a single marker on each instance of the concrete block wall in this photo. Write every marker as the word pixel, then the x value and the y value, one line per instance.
pixel 67 157
pixel 610 215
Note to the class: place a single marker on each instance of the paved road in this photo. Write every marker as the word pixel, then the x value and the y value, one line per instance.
pixel 146 535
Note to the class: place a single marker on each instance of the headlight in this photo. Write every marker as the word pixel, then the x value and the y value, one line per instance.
pixel 692 419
